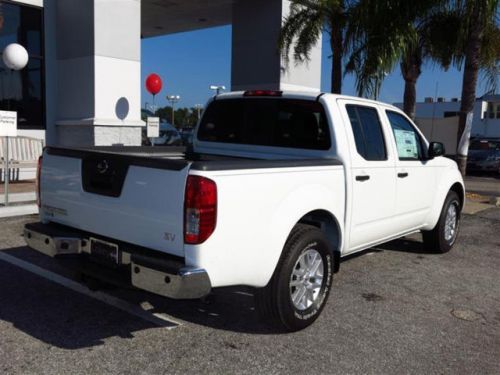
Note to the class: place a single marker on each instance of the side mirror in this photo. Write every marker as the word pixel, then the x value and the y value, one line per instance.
pixel 436 149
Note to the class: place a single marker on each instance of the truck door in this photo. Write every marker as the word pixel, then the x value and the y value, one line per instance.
pixel 416 176
pixel 371 178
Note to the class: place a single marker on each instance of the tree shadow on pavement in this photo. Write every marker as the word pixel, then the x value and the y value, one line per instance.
pixel 229 309
pixel 59 316
pixel 67 319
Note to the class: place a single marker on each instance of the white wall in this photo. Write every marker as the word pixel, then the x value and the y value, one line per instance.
pixel 442 130
pixel 256 61
pixel 98 69
pixel 482 126
pixel 428 110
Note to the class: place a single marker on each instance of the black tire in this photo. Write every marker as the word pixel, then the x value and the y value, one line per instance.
pixel 274 302
pixel 435 240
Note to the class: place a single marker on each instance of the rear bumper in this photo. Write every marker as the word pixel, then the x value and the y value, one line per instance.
pixel 148 269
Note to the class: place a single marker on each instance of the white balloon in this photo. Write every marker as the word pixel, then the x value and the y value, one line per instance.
pixel 15 56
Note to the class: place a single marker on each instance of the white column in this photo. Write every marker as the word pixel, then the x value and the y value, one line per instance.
pixel 98 72
pixel 256 61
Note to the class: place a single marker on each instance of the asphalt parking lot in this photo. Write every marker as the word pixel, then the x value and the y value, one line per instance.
pixel 484 184
pixel 394 310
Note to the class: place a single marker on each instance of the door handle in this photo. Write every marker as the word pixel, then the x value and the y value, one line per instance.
pixel 362 178
pixel 403 175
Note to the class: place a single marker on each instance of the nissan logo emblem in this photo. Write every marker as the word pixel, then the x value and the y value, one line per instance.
pixel 102 166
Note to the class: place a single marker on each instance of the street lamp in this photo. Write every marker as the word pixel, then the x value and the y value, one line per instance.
pixel 198 107
pixel 217 88
pixel 15 57
pixel 151 107
pixel 172 99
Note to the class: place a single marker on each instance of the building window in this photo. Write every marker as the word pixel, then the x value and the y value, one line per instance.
pixel 493 110
pixel 23 91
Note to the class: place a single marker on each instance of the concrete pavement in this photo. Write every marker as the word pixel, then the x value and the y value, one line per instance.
pixel 487 185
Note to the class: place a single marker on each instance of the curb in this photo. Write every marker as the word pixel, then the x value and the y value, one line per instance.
pixel 495 201
pixel 15 210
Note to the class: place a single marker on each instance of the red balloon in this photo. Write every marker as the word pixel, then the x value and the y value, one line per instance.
pixel 153 84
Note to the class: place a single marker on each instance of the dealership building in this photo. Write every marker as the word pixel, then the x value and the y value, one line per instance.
pixel 486 113
pixel 82 85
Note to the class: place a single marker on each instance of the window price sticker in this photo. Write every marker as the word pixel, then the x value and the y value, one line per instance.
pixel 407 143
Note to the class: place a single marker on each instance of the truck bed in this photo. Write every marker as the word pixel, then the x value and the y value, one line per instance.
pixel 135 194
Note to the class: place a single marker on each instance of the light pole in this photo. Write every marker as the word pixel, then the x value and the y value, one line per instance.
pixel 15 57
pixel 217 88
pixel 151 107
pixel 198 108
pixel 172 99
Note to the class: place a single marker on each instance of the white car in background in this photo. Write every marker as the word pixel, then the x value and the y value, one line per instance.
pixel 169 136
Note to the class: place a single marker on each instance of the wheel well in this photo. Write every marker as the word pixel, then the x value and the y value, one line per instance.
pixel 328 224
pixel 457 188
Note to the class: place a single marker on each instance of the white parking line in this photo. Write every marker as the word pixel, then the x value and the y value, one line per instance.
pixel 155 318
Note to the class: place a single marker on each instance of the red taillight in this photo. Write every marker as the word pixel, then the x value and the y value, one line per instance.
pixel 263 93
pixel 200 209
pixel 38 176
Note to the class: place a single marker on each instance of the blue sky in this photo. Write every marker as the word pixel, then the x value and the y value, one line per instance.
pixel 190 62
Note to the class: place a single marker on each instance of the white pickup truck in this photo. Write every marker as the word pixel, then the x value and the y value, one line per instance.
pixel 275 190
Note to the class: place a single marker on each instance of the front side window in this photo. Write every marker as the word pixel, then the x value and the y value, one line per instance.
pixel 408 140
pixel 23 91
pixel 272 122
pixel 367 131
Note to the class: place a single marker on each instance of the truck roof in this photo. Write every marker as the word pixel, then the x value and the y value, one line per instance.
pixel 307 95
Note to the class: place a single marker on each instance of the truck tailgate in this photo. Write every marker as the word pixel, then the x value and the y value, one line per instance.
pixel 127 197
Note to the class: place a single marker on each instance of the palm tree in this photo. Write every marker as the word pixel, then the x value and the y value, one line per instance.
pixel 436 40
pixel 480 38
pixel 385 33
pixel 305 24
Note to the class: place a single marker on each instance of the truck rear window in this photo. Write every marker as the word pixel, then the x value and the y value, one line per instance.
pixel 266 122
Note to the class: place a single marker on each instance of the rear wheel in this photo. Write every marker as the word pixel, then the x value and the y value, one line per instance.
pixel 442 238
pixel 297 292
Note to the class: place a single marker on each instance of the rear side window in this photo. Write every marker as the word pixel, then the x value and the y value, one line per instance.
pixel 266 122
pixel 367 131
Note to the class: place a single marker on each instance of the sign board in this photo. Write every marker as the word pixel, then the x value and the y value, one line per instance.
pixel 8 124
pixel 153 127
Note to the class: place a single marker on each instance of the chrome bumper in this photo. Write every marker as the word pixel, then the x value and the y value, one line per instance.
pixel 151 273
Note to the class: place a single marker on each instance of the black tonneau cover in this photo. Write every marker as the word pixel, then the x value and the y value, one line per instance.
pixel 178 158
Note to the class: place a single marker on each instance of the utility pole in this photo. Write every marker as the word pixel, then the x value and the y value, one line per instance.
pixel 434 108
pixel 172 99
pixel 198 108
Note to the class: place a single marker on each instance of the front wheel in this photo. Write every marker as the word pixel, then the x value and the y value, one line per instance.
pixel 442 238
pixel 299 288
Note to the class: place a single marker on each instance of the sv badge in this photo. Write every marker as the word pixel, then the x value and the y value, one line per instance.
pixel 169 237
